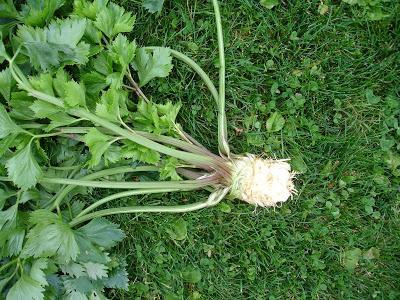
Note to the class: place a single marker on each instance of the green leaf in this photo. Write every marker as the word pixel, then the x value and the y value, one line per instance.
pixel 139 153
pixel 74 270
pixel 75 295
pixel 59 82
pixel 8 217
pixel 23 169
pixel 50 236
pixel 178 230
pixel 168 169
pixel 15 240
pixel 117 277
pixel 102 232
pixel 371 98
pixel 157 118
pixel 82 285
pixel 103 64
pixel 56 45
pixel 149 66
pixel 269 3
pixel 153 6
pixel 74 94
pixel 8 10
pixel 98 144
pixel 95 270
pixel 113 19
pixel 191 275
pixel 350 259
pixel 66 32
pixel 26 288
pixel 37 271
pixel 122 51
pixel 112 105
pixel 7 125
pixel 275 122
pixel 20 103
pixel 5 83
pixel 88 9
pixel 43 83
pixel 90 252
pixel 43 109
pixel 94 83
pixel 38 12
pixel 371 253
pixel 59 120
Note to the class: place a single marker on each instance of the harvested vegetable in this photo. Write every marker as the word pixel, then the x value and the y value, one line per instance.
pixel 73 118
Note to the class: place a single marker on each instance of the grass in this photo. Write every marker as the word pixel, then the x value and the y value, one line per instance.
pixel 335 79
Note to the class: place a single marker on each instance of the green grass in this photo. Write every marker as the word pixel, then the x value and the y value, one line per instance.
pixel 318 71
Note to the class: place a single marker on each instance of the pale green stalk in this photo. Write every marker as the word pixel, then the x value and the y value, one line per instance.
pixel 122 195
pixel 222 125
pixel 103 173
pixel 214 199
pixel 190 184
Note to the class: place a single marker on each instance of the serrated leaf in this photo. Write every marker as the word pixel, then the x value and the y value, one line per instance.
pixel 88 9
pixel 157 118
pixel 90 252
pixel 7 9
pixel 112 105
pixel 3 53
pixel 20 103
pixel 94 83
pixel 102 232
pixel 59 82
pixel 113 19
pixel 58 120
pixel 122 51
pixel 8 217
pixel 74 94
pixel 152 63
pixel 139 153
pixel 95 270
pixel 43 109
pixel 15 240
pixel 5 83
pixel 43 83
pixel 26 288
pixel 56 45
pixel 37 273
pixel 75 295
pixel 117 278
pixel 81 284
pixel 38 12
pixel 50 236
pixel 153 6
pixel 66 32
pixel 74 270
pixel 103 64
pixel 7 125
pixel 98 144
pixel 23 168
pixel 168 169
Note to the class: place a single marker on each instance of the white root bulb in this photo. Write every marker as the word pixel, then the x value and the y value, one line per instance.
pixel 262 182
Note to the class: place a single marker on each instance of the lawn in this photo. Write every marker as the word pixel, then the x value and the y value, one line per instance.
pixel 333 76
pixel 315 81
